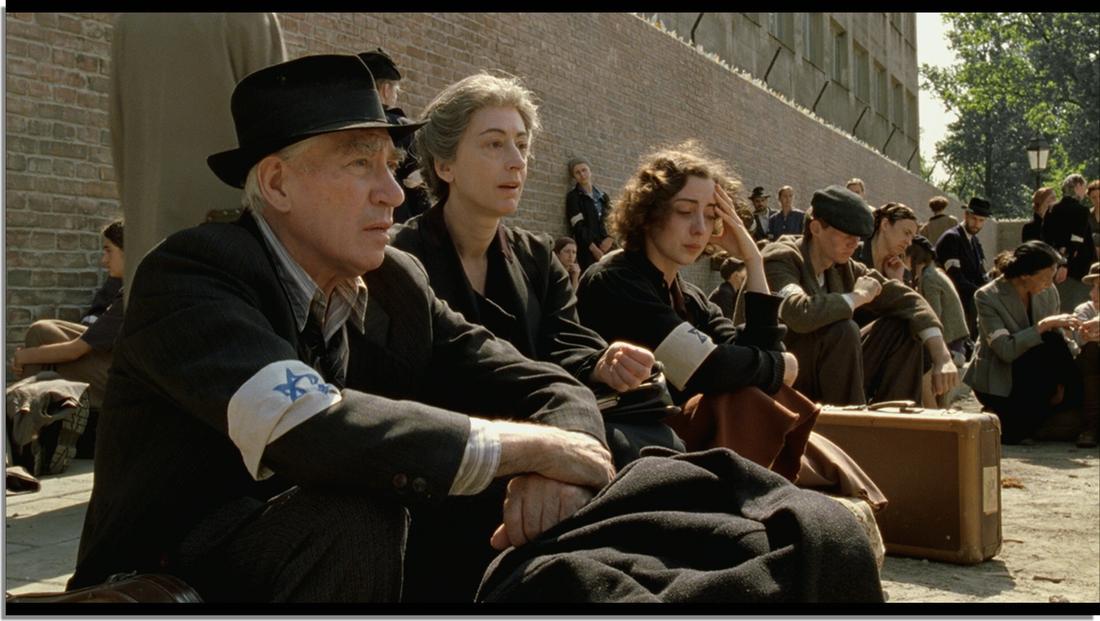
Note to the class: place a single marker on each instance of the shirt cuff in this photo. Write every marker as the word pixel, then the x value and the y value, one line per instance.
pixel 480 460
pixel 850 298
pixel 928 333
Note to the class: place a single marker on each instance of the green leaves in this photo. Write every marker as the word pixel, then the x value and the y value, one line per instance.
pixel 1020 75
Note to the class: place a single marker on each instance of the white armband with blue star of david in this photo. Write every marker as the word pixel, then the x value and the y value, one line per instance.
pixel 682 351
pixel 279 397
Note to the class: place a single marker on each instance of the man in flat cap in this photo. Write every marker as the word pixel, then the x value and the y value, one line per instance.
pixel 387 79
pixel 857 335
pixel 286 384
pixel 959 252
pixel 761 213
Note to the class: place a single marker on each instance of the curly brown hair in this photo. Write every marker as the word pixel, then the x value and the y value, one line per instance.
pixel 644 202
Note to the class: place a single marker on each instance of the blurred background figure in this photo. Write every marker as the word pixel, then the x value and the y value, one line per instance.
pixel 171 79
pixel 940 221
pixel 565 248
pixel 586 208
pixel 1066 228
pixel 387 79
pixel 733 275
pixel 788 220
pixel 1041 202
pixel 855 184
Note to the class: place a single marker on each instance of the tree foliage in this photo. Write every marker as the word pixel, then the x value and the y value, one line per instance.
pixel 1018 75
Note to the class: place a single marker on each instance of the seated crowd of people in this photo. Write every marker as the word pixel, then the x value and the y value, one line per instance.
pixel 318 403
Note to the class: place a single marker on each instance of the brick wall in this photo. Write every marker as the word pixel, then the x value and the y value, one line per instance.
pixel 611 86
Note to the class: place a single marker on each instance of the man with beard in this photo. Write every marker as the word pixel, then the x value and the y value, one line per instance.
pixel 960 254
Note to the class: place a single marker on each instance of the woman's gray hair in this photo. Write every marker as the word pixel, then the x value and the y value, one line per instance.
pixel 449 114
pixel 252 198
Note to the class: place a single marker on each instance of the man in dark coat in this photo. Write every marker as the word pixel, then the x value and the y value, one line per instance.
pixel 265 426
pixel 959 252
pixel 387 79
pixel 1066 228
pixel 733 275
pixel 761 213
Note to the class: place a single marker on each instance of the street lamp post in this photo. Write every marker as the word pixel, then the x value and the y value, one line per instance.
pixel 1038 151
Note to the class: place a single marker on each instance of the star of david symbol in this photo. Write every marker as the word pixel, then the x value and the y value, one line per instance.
pixel 699 335
pixel 293 391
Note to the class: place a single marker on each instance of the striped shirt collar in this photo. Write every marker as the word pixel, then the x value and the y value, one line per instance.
pixel 348 302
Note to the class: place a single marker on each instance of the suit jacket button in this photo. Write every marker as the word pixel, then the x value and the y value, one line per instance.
pixel 400 480
pixel 419 485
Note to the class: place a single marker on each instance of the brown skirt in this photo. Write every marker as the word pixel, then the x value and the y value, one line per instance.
pixel 775 432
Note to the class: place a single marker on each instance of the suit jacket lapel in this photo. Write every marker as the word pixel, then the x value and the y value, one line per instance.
pixel 444 267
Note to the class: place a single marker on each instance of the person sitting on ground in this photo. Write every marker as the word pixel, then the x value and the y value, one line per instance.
pixel 733 273
pixel 76 351
pixel 1041 202
pixel 1088 361
pixel 960 254
pixel 565 249
pixel 856 185
pixel 939 222
pixel 788 220
pixel 895 226
pixel 679 200
pixel 936 288
pixel 285 386
pixel 586 208
pixel 474 150
pixel 857 334
pixel 1022 364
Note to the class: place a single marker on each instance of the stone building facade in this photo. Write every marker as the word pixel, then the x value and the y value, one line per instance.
pixel 611 86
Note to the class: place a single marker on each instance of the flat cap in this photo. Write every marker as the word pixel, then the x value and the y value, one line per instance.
pixel 381 65
pixel 979 207
pixel 843 209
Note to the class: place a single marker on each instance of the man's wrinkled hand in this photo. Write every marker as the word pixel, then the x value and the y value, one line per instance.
pixel 866 289
pixel 945 376
pixel 533 505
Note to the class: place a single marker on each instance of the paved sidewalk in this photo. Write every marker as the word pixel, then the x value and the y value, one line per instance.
pixel 42 530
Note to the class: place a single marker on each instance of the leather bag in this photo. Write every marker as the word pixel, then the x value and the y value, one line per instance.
pixel 129 588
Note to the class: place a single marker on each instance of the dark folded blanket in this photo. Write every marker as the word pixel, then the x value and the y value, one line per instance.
pixel 708 526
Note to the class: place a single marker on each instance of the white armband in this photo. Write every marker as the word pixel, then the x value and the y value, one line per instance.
pixel 575 219
pixel 682 351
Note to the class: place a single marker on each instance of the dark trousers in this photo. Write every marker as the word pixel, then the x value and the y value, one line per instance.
pixel 842 364
pixel 1036 375
pixel 301 546
pixel 1088 361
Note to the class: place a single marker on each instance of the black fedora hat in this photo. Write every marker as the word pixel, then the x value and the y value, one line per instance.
pixel 979 207
pixel 289 102
pixel 758 192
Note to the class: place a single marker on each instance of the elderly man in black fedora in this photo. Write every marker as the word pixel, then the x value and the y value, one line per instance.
pixel 387 79
pixel 857 335
pixel 761 213
pixel 285 385
pixel 959 252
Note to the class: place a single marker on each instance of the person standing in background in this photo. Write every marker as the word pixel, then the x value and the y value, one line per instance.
pixel 1041 202
pixel 939 222
pixel 171 79
pixel 387 78
pixel 586 208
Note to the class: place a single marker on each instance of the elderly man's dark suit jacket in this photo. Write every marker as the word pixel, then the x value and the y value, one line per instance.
pixel 206 313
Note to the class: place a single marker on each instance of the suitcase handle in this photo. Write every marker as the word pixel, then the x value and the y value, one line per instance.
pixel 904 406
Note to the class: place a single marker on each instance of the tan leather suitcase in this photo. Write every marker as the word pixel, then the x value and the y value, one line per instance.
pixel 940 471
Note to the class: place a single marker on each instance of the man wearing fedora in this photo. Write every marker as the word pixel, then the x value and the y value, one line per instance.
pixel 959 252
pixel 286 384
pixel 761 213
pixel 387 79
pixel 857 335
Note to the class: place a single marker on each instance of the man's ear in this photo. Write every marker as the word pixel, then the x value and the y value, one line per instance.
pixel 444 171
pixel 271 177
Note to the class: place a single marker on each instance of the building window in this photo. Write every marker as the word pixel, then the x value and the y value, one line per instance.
pixel 863 69
pixel 882 101
pixel 781 26
pixel 840 55
pixel 898 116
pixel 813 48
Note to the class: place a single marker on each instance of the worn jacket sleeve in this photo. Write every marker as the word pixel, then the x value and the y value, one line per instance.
pixel 577 223
pixel 948 252
pixel 801 310
pixel 613 302
pixel 197 285
pixel 899 301
pixel 994 331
